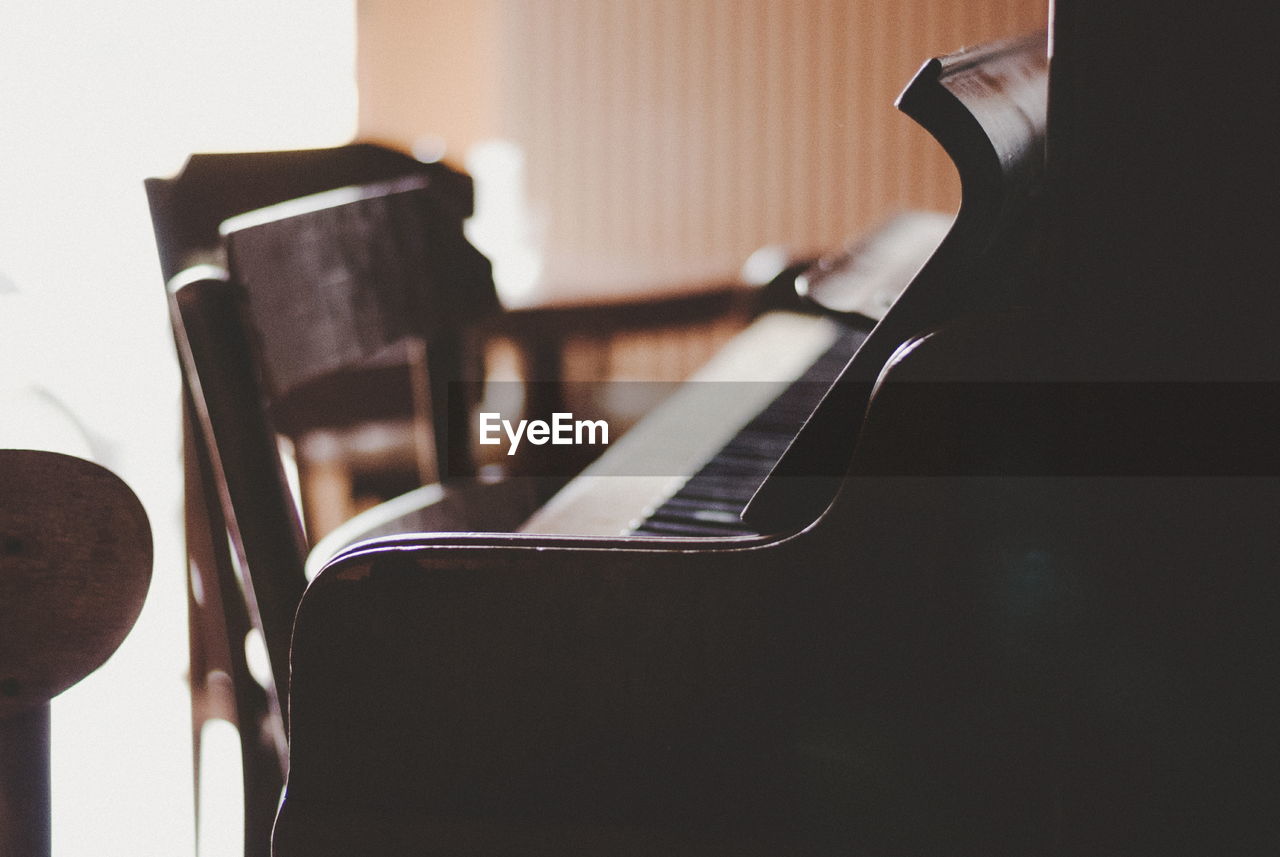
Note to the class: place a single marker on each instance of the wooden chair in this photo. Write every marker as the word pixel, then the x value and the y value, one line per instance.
pixel 75 563
pixel 331 423
pixel 313 287
pixel 356 426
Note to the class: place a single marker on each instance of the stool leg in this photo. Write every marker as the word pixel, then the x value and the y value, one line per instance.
pixel 24 783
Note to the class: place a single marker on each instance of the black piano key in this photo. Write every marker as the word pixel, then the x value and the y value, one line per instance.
pixel 697 506
pixel 714 517
pixel 710 503
pixel 673 528
pixel 709 487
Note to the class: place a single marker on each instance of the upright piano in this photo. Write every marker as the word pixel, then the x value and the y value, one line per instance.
pixel 657 690
pixel 950 619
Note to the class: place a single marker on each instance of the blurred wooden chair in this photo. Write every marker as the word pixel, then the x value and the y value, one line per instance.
pixel 364 425
pixel 313 288
pixel 355 432
pixel 188 209
pixel 75 563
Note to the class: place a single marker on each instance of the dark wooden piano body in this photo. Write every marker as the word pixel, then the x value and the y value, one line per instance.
pixel 999 637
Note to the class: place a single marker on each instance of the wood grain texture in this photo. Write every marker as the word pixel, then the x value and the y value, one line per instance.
pixel 187 210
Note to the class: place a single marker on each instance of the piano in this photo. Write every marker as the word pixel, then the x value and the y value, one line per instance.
pixel 648 673
pixel 922 638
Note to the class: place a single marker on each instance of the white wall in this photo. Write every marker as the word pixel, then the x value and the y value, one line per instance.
pixel 94 97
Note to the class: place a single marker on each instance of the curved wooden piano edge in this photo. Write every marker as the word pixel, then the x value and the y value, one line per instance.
pixel 947 679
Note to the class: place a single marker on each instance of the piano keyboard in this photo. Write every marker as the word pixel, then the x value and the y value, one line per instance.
pixel 729 436
pixel 710 503
pixel 728 433
pixel 783 362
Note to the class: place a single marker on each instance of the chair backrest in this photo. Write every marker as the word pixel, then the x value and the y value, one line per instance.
pixel 335 279
pixel 187 209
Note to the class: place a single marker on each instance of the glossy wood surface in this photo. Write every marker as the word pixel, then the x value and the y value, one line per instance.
pixel 986 106
pixel 943 663
pixel 710 695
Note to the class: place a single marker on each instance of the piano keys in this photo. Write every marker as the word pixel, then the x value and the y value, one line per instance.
pixel 721 434
pixel 736 386
pixel 710 502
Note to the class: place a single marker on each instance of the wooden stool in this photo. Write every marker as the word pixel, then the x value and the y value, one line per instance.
pixel 75 563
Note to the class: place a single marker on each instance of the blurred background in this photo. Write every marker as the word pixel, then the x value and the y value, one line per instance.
pixel 619 146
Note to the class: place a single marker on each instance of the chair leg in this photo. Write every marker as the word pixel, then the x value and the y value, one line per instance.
pixel 222 685
pixel 450 360
pixel 326 483
pixel 201 649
